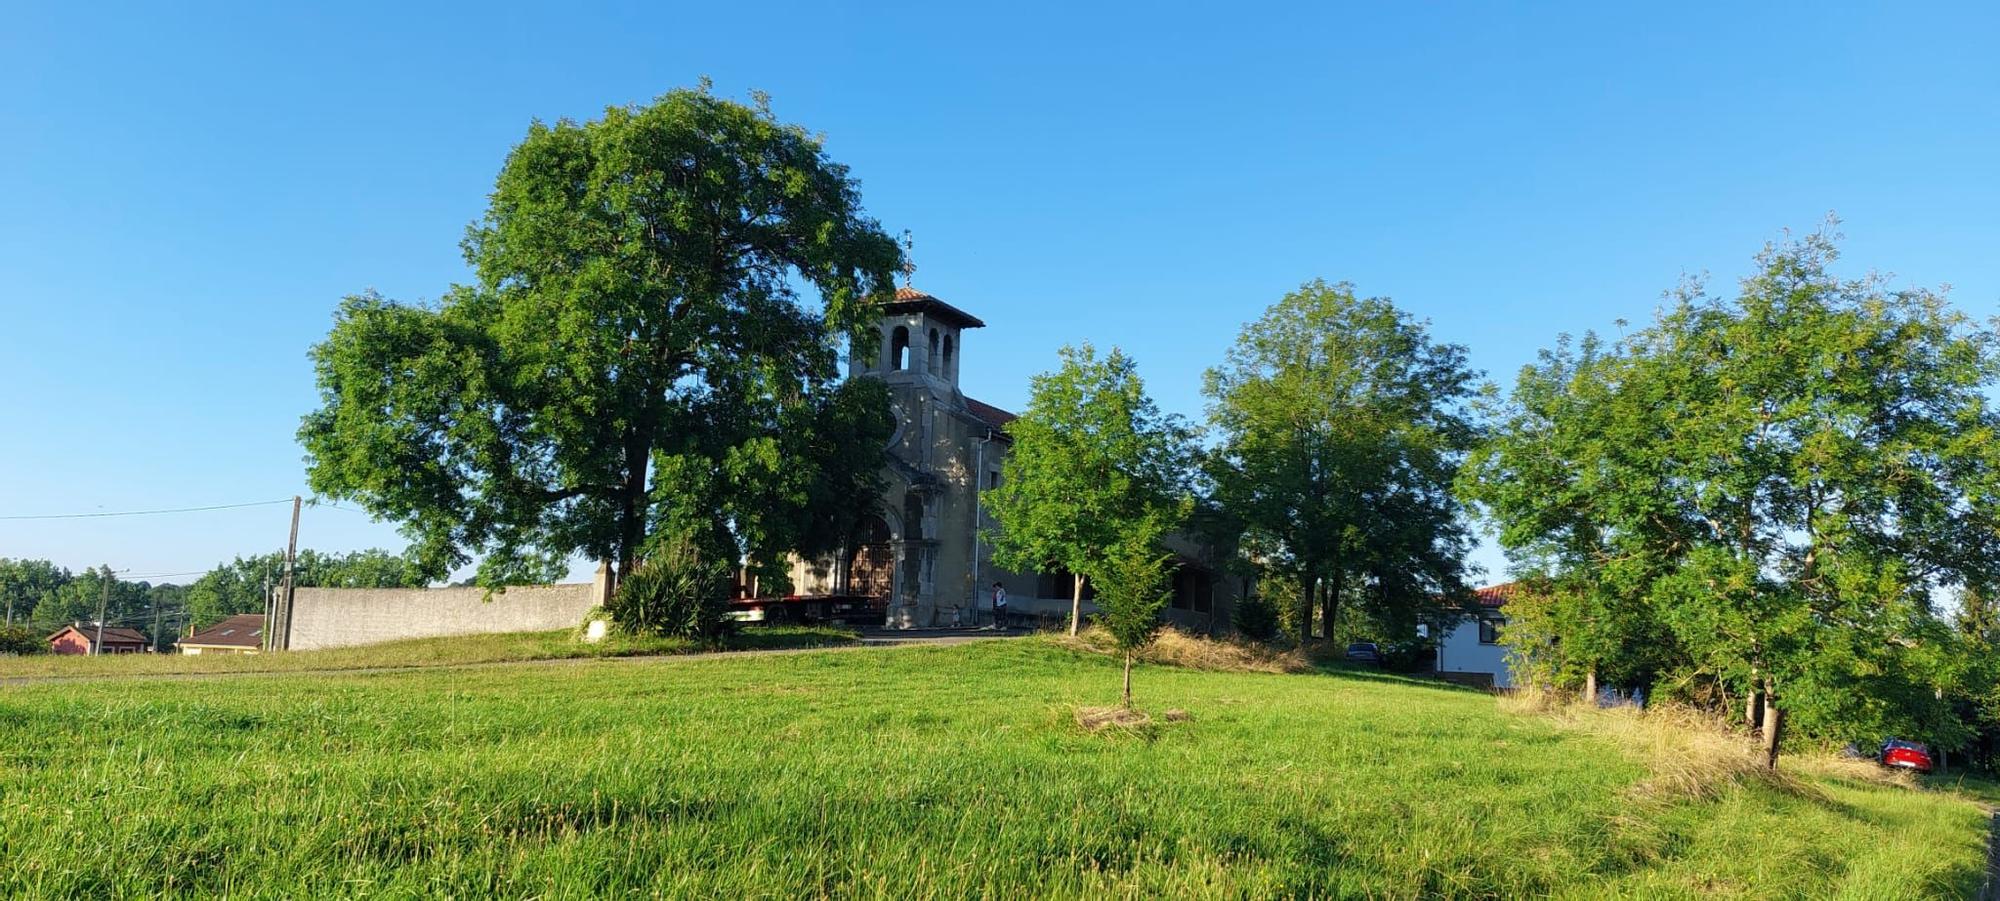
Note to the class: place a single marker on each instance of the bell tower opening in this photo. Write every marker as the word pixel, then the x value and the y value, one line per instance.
pixel 899 349
pixel 924 336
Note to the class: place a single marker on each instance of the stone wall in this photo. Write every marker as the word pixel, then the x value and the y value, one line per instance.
pixel 342 617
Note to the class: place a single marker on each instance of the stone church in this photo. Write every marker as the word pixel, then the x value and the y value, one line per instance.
pixel 925 554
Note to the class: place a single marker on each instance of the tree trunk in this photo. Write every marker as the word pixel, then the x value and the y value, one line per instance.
pixel 1076 605
pixel 1308 601
pixel 1774 729
pixel 1590 686
pixel 1754 703
pixel 632 506
pixel 1330 604
pixel 1128 679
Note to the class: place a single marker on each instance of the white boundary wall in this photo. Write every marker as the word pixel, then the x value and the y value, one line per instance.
pixel 344 617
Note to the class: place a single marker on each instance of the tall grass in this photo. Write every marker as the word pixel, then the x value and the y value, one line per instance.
pixel 914 772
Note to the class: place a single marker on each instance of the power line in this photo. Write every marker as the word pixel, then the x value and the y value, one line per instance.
pixel 145 512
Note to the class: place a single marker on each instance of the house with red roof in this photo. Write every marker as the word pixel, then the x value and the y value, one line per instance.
pixel 1471 651
pixel 84 638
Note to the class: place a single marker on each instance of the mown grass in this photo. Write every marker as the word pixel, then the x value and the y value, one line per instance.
pixel 418 652
pixel 920 771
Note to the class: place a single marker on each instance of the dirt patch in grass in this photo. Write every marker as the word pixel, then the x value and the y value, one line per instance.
pixel 1172 647
pixel 1098 719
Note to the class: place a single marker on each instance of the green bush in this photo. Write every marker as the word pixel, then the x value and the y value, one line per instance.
pixel 676 595
pixel 17 640
pixel 1256 617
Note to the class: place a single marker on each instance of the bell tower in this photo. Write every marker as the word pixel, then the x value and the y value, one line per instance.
pixel 918 343
pixel 919 338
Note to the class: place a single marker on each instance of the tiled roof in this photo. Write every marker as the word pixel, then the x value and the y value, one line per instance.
pixel 1494 595
pixel 911 300
pixel 112 634
pixel 244 630
pixel 990 414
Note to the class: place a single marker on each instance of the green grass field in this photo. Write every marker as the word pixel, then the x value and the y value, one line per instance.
pixel 926 771
pixel 416 652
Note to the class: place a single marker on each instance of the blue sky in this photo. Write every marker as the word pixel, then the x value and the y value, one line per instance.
pixel 187 191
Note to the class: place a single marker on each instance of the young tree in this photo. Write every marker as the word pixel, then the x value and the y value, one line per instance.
pixel 1342 427
pixel 1093 460
pixel 632 361
pixel 1133 587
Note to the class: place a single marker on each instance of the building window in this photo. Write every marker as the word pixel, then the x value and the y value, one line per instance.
pixel 992 479
pixel 1194 589
pixel 949 372
pixel 899 348
pixel 931 361
pixel 1057 582
pixel 1489 630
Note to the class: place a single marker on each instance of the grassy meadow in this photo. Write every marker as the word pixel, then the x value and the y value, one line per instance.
pixel 916 771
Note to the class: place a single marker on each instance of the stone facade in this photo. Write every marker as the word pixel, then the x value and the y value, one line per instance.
pixel 925 553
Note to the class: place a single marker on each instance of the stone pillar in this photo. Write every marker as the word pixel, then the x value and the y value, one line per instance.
pixel 601 587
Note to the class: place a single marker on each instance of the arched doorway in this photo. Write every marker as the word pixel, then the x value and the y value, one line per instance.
pixel 871 571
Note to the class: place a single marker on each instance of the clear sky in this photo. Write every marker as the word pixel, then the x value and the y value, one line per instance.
pixel 187 190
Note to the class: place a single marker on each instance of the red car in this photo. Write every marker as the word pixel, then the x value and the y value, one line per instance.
pixel 1906 755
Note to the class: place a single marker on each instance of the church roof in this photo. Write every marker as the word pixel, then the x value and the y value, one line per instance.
pixel 911 300
pixel 990 414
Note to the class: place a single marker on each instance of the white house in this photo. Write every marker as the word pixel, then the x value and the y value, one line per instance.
pixel 1471 651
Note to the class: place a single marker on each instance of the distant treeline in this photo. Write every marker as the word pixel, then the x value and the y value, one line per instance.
pixel 40 597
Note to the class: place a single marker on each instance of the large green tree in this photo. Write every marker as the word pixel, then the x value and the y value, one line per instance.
pixel 1093 460
pixel 79 599
pixel 1788 476
pixel 1556 451
pixel 1342 425
pixel 648 354
pixel 25 584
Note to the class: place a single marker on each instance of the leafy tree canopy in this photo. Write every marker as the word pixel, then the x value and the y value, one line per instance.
pixel 25 584
pixel 1780 481
pixel 648 354
pixel 243 585
pixel 1342 427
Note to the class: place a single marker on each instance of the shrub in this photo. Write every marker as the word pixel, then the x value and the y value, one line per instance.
pixel 17 640
pixel 1256 617
pixel 677 594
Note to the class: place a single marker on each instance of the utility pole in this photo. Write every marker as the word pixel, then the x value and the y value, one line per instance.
pixel 103 602
pixel 270 615
pixel 156 620
pixel 291 565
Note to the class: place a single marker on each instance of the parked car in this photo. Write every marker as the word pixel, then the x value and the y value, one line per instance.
pixel 1364 652
pixel 1908 755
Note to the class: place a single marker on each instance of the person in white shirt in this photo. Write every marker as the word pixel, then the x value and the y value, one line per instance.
pixel 999 606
